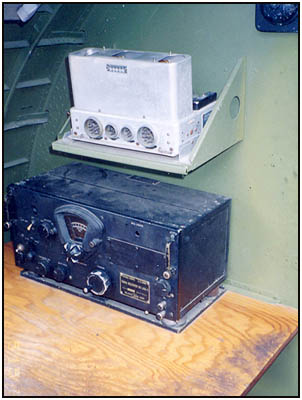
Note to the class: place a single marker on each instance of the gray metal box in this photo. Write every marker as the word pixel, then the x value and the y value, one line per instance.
pixel 133 84
pixel 134 100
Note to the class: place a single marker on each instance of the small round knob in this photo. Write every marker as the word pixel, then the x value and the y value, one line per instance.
pixel 60 272
pixel 20 247
pixel 162 305
pixel 30 256
pixel 94 242
pixel 98 282
pixel 42 268
pixel 20 254
pixel 160 315
pixel 167 274
pixel 46 229
pixel 7 225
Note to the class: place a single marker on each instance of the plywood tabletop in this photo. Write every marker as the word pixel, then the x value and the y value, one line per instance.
pixel 57 344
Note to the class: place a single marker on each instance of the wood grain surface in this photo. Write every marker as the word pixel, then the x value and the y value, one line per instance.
pixel 57 344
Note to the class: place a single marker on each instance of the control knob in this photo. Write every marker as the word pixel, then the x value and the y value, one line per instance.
pixel 162 287
pixel 42 268
pixel 162 305
pixel 20 255
pixel 46 229
pixel 7 225
pixel 60 272
pixel 74 251
pixel 30 256
pixel 160 315
pixel 97 282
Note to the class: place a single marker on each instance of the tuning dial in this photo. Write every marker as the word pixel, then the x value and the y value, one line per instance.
pixel 42 268
pixel 46 229
pixel 97 282
pixel 60 272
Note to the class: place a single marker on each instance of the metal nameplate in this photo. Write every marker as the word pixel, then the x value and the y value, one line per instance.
pixel 116 68
pixel 135 288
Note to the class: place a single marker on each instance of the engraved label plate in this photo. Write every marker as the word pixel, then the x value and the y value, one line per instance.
pixel 135 288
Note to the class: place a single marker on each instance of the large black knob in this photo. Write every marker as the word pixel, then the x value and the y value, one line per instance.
pixel 60 272
pixel 97 282
pixel 162 287
pixel 42 268
pixel 46 229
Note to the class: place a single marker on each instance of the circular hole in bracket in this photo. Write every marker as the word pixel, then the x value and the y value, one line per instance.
pixel 234 107
pixel 137 233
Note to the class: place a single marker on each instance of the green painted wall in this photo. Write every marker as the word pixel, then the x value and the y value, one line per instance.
pixel 260 174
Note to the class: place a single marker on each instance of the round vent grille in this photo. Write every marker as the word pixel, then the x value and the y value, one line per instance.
pixel 111 132
pixel 146 137
pixel 127 134
pixel 93 128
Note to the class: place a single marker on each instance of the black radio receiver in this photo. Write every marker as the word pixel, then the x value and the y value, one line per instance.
pixel 154 250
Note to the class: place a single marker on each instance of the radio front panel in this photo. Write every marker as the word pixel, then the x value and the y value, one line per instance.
pixel 153 250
